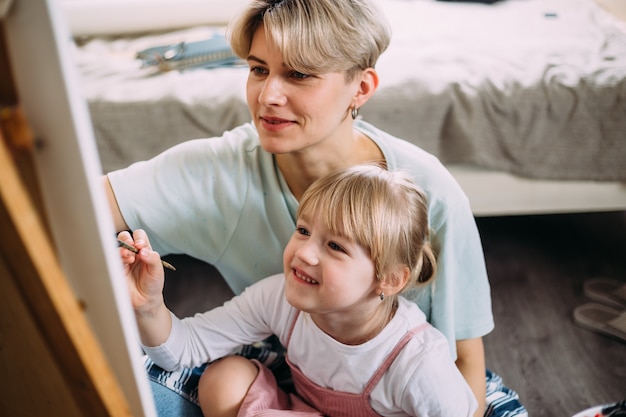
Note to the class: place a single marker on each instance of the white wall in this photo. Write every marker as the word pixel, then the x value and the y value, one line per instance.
pixel 103 17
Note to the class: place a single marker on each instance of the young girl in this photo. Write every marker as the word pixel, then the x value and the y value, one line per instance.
pixel 354 345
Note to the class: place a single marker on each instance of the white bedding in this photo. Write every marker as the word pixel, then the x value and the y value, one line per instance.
pixel 534 88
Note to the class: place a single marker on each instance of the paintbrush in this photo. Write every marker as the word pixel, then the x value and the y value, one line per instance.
pixel 135 250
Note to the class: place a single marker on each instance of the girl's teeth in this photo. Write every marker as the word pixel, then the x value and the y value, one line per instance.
pixel 303 278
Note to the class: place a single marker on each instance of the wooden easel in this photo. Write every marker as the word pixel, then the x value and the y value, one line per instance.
pixel 50 360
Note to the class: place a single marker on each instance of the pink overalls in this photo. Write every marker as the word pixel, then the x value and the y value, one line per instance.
pixel 266 399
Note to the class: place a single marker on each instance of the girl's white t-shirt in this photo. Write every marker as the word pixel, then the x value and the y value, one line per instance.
pixel 423 380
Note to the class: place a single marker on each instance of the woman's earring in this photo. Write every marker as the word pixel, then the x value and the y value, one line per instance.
pixel 354 113
pixel 382 296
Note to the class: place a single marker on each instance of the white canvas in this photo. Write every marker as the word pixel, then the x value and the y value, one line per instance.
pixel 68 170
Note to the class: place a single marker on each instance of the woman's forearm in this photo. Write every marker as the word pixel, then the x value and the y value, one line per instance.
pixel 471 363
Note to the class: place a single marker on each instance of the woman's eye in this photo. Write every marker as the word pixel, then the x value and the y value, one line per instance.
pixel 299 75
pixel 302 231
pixel 336 247
pixel 258 70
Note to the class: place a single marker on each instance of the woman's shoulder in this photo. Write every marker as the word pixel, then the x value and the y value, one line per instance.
pixel 426 169
pixel 401 154
pixel 387 140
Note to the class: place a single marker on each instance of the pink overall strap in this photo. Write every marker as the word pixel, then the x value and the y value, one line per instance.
pixel 392 356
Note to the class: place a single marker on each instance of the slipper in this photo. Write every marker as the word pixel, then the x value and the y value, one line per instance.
pixel 607 291
pixel 606 410
pixel 602 319
pixel 615 410
pixel 590 412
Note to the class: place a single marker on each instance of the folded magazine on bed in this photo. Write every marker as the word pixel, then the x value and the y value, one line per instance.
pixel 209 53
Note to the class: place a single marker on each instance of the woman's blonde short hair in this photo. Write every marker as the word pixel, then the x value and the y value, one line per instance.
pixel 316 36
pixel 383 211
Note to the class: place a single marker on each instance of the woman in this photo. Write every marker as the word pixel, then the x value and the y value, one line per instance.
pixel 231 201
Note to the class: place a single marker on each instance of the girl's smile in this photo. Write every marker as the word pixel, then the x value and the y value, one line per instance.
pixel 301 276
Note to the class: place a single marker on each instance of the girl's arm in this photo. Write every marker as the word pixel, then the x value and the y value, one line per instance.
pixel 145 278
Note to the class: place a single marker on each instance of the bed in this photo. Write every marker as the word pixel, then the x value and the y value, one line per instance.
pixel 523 100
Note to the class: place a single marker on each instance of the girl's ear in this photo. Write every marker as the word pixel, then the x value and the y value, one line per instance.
pixel 395 281
pixel 368 83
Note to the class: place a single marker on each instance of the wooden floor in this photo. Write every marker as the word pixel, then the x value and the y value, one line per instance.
pixel 536 265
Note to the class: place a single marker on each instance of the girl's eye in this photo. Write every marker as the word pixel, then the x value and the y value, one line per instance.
pixel 336 247
pixel 302 231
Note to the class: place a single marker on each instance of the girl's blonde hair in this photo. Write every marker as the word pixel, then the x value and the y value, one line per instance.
pixel 315 36
pixel 383 211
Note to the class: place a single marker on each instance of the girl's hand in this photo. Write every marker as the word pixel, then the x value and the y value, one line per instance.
pixel 144 273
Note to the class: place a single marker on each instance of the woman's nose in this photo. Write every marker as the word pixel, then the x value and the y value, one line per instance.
pixel 273 92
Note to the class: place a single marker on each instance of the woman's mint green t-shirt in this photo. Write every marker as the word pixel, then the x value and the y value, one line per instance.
pixel 224 201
